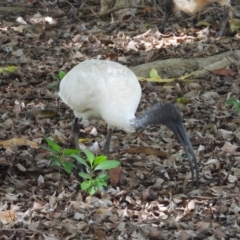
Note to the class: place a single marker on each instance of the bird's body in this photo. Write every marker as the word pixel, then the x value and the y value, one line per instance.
pixel 98 89
pixel 188 6
pixel 192 7
pixel 115 88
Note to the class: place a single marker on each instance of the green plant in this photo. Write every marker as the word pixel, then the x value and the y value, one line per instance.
pixel 59 77
pixel 59 156
pixel 93 181
pixel 147 25
pixel 235 103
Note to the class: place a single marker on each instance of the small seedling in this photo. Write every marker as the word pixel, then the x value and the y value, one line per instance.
pixel 59 77
pixel 147 25
pixel 93 181
pixel 235 103
pixel 59 156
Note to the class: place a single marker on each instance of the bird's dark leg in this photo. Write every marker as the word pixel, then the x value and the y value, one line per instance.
pixel 107 143
pixel 75 128
pixel 224 21
pixel 106 149
pixel 167 13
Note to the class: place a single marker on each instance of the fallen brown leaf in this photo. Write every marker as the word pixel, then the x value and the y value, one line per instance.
pixel 115 175
pixel 18 142
pixel 7 216
pixel 224 72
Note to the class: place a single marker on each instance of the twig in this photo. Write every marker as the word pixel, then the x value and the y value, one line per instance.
pixel 111 11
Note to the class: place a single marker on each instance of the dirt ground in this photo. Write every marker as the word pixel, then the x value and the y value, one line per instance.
pixel 155 198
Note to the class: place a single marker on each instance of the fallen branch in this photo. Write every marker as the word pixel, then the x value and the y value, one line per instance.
pixel 112 10
pixel 177 67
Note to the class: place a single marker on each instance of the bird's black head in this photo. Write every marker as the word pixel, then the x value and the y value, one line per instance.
pixel 168 115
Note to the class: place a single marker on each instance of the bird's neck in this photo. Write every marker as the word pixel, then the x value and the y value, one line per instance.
pixel 160 113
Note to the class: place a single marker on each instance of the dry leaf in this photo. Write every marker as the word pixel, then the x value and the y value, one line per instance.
pixel 99 234
pixel 18 142
pixel 7 216
pixel 115 175
pixel 224 72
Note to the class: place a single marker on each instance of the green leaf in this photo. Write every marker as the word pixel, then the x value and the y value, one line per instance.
pixel 238 108
pixel 99 159
pixel 67 151
pixel 54 146
pixel 85 185
pixel 85 175
pixel 102 183
pixel 146 25
pixel 232 102
pixel 51 150
pixel 234 24
pixel 109 164
pixel 61 75
pixel 91 190
pixel 68 166
pixel 56 161
pixel 103 177
pixel 54 86
pixel 80 160
pixel 154 73
pixel 90 156
pixel 9 69
pixel 99 185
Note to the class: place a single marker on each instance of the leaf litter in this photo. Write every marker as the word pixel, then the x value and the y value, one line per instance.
pixel 152 197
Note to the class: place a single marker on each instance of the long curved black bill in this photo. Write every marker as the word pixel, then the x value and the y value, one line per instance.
pixel 183 138
pixel 168 115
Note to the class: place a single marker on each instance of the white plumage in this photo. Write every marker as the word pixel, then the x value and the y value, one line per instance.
pixel 105 90
pixel 98 89
pixel 193 6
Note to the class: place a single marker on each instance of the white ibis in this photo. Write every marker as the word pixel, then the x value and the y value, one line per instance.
pixel 98 89
pixel 194 6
